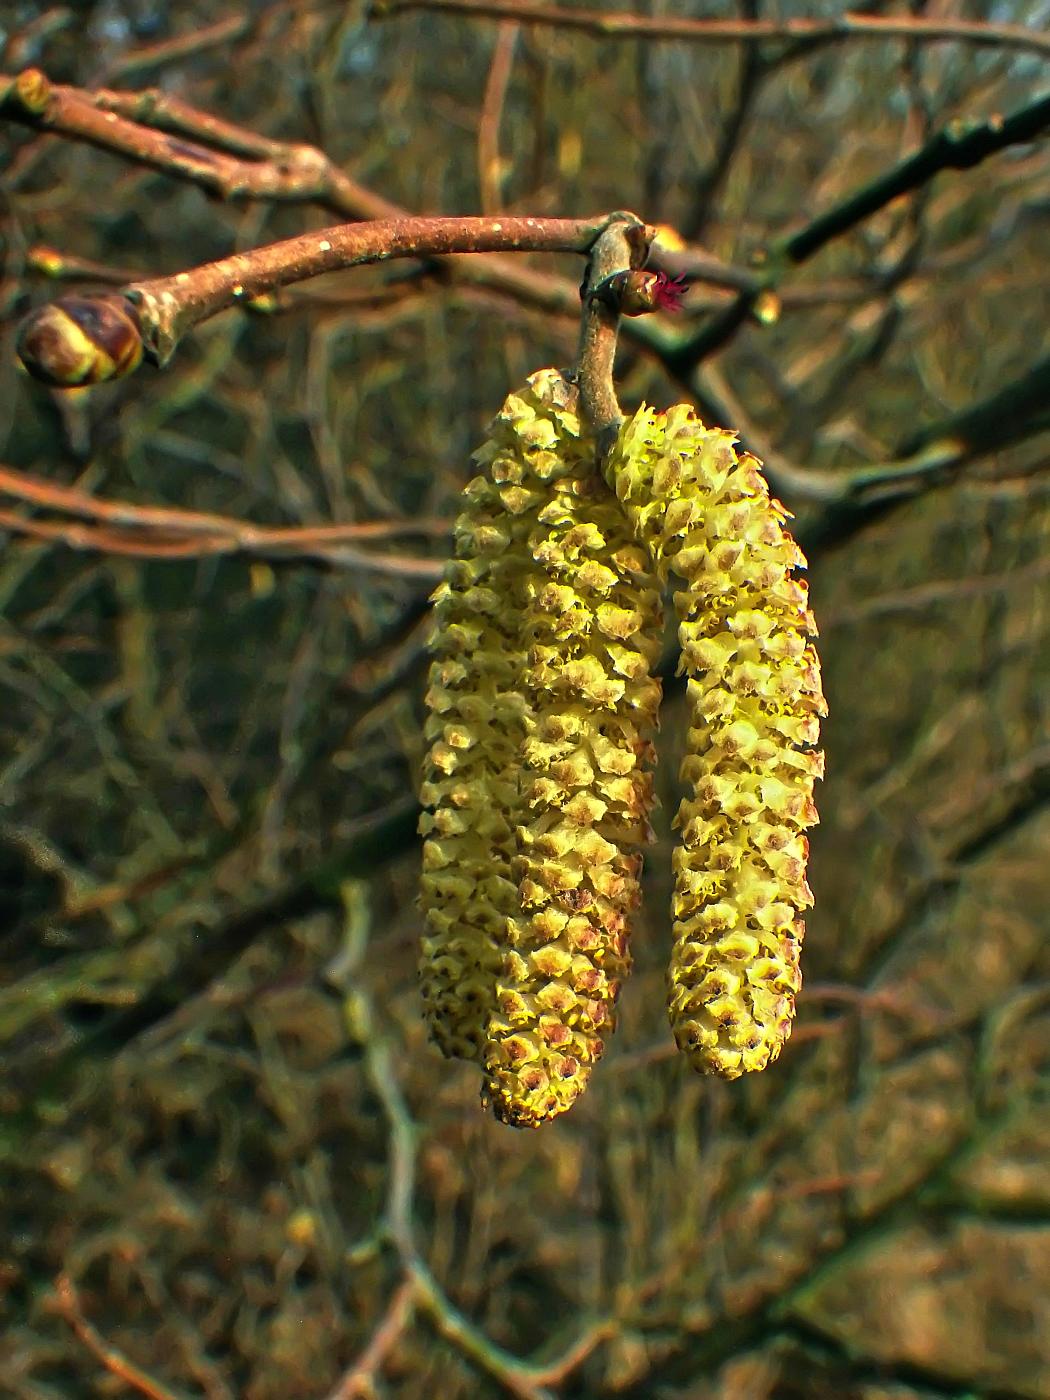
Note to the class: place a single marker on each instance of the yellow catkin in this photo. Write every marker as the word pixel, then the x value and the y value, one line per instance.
pixel 755 700
pixel 471 790
pixel 532 919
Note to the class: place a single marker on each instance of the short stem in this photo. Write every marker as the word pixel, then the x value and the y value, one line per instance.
pixel 621 246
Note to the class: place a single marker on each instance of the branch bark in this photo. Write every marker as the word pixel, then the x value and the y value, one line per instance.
pixel 55 341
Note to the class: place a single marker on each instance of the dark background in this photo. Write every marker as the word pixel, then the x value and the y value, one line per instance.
pixel 225 1144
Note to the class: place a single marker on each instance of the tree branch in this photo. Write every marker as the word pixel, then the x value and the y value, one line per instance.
pixel 160 532
pixel 959 146
pixel 926 458
pixel 81 340
pixel 602 24
pixel 164 133
pixel 115 1362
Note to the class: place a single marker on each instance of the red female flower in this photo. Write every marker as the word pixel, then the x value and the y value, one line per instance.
pixel 637 293
pixel 667 292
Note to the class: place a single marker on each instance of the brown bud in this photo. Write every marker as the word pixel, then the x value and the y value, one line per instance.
pixel 80 340
pixel 48 261
pixel 33 90
pixel 636 293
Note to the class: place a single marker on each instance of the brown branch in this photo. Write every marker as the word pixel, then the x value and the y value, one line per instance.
pixel 189 45
pixel 154 545
pixel 133 125
pixel 168 307
pixel 961 145
pixel 24 42
pixel 160 532
pixel 523 1379
pixel 62 267
pixel 34 490
pixel 195 295
pixel 359 1382
pixel 166 134
pixel 935 457
pixel 67 1304
pixel 603 24
pixel 55 341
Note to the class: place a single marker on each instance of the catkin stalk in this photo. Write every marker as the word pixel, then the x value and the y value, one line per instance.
pixel 755 700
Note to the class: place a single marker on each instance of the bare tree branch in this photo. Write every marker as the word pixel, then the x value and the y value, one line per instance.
pixel 158 532
pixel 55 342
pixel 959 146
pixel 162 132
pixel 115 1362
pixel 603 24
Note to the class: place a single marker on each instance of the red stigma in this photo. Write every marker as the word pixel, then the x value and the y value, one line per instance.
pixel 667 292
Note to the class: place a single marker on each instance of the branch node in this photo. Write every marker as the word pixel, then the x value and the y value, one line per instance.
pixel 621 247
pixel 159 322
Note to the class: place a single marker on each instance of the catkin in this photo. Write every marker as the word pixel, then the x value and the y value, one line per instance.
pixel 471 789
pixel 755 700
pixel 541 721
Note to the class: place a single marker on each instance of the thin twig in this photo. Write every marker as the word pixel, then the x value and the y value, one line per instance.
pixel 168 307
pixel 489 166
pixel 161 131
pixel 189 45
pixel 623 245
pixel 358 1383
pixel 116 1363
pixel 25 42
pixel 278 545
pixel 605 24
pixel 959 146
pixel 36 491
pixel 522 1379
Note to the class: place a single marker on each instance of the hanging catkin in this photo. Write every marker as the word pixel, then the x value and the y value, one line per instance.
pixel 538 776
pixel 471 781
pixel 755 699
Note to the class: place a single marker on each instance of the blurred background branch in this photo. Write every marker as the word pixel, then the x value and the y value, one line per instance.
pixel 221 1130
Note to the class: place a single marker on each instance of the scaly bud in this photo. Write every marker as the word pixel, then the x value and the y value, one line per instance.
pixel 636 293
pixel 32 90
pixel 80 340
pixel 755 699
